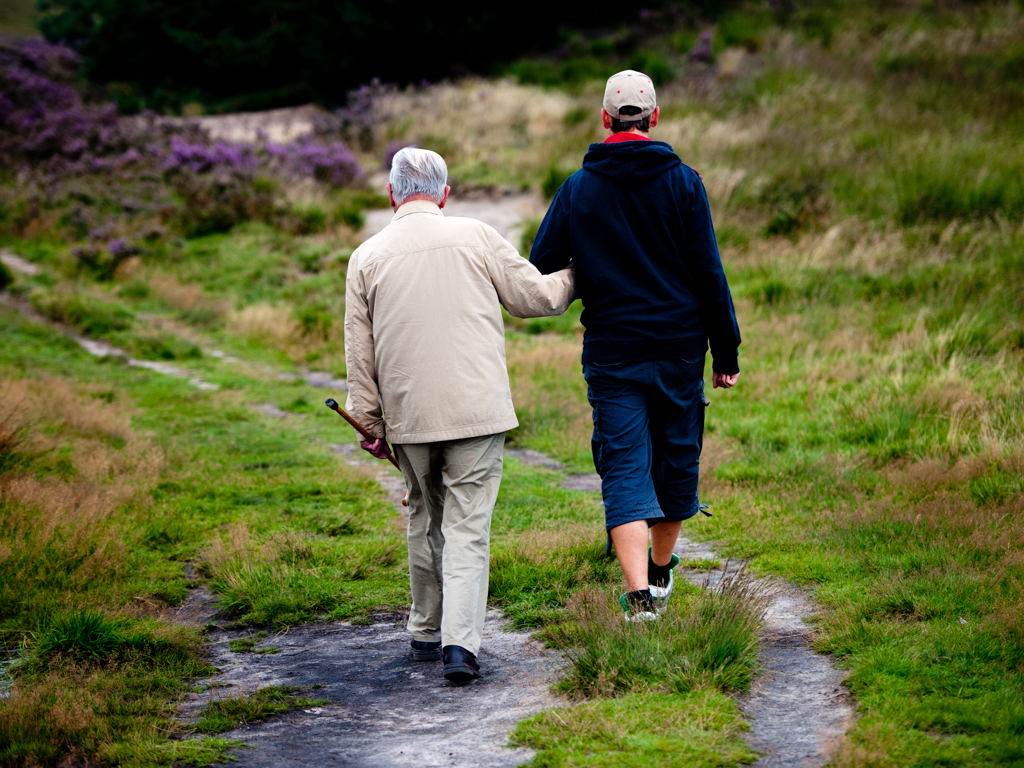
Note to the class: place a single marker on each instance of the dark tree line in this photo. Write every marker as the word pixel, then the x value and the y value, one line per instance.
pixel 258 53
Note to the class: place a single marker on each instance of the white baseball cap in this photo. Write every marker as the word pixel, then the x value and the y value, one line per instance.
pixel 629 88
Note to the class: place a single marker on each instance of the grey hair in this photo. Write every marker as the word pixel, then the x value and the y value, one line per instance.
pixel 417 171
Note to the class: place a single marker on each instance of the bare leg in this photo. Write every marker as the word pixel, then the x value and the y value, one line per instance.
pixel 663 540
pixel 630 542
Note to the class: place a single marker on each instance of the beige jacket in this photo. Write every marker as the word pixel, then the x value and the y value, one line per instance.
pixel 424 337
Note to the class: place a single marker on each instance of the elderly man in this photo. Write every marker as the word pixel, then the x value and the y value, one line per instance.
pixel 636 225
pixel 425 348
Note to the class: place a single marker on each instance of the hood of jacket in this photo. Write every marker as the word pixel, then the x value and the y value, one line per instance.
pixel 631 161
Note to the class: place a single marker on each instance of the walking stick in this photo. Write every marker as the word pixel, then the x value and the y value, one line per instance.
pixel 333 405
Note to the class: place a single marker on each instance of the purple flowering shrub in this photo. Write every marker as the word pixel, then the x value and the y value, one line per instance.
pixel 702 49
pixel 334 164
pixel 117 182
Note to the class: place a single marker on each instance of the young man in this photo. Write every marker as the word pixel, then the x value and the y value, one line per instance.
pixel 636 225
pixel 425 348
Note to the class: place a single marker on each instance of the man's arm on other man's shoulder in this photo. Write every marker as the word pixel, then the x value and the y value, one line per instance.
pixel 363 401
pixel 521 288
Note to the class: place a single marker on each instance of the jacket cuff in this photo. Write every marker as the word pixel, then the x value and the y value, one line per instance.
pixel 725 364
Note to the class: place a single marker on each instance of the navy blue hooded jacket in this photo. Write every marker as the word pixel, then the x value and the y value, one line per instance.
pixel 636 224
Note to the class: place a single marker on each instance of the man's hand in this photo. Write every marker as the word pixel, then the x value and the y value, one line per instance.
pixel 379 448
pixel 724 380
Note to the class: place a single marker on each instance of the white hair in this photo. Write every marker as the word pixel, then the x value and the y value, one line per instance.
pixel 417 171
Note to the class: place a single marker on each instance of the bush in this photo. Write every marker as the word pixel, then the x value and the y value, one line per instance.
pixel 314 320
pixel 530 227
pixel 570 71
pixel 652 65
pixel 217 202
pixel 99 170
pixel 350 210
pixel 307 219
pixel 162 346
pixel 6 278
pixel 134 290
pixel 90 316
pixel 102 262
pixel 745 29
pixel 553 182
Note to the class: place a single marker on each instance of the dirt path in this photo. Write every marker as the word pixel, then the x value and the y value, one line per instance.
pixel 385 710
pixel 506 213
pixel 798 708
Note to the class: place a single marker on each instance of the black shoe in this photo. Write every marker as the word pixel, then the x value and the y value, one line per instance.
pixel 459 664
pixel 424 651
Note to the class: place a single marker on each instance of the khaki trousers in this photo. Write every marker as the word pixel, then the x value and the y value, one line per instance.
pixel 452 489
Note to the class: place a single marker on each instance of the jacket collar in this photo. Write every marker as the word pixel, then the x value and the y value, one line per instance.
pixel 416 206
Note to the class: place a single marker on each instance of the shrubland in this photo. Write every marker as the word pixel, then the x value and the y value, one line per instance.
pixel 864 169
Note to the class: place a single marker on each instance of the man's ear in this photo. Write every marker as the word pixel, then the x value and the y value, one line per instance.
pixel 654 116
pixel 606 119
pixel 391 197
pixel 443 199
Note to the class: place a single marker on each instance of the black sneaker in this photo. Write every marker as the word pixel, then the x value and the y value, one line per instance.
pixel 424 651
pixel 459 664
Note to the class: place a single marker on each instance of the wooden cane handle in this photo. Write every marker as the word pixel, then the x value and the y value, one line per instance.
pixel 333 405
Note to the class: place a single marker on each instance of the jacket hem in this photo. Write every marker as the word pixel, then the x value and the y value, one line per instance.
pixel 460 433
pixel 644 351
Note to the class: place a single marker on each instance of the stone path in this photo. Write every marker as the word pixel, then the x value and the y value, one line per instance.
pixel 798 707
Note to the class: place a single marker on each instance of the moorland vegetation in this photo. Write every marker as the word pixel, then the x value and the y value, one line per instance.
pixel 866 175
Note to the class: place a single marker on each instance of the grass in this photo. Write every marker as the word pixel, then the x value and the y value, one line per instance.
pixel 641 729
pixel 226 714
pixel 249 644
pixel 114 478
pixel 706 641
pixel 102 687
pixel 864 169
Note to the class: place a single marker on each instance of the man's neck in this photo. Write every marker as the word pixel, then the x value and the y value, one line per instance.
pixel 416 198
pixel 620 136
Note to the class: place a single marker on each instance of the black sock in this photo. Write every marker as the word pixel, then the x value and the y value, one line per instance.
pixel 640 600
pixel 657 575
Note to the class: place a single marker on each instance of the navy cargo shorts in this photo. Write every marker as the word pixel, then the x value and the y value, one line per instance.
pixel 648 431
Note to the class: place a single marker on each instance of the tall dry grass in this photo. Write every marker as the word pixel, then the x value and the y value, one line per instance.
pixel 79 463
pixel 281 328
pixel 550 396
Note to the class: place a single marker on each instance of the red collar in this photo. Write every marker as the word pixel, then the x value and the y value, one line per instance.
pixel 615 138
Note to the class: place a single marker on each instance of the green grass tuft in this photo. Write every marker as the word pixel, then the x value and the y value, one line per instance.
pixel 707 639
pixel 223 715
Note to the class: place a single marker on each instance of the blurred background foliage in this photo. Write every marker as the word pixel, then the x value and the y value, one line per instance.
pixel 237 54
